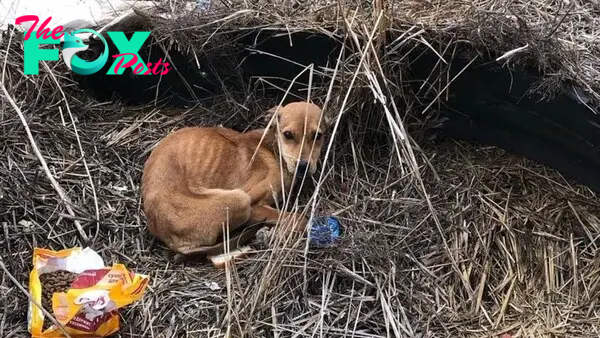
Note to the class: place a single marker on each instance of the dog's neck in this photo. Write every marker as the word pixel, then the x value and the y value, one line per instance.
pixel 269 141
pixel 273 146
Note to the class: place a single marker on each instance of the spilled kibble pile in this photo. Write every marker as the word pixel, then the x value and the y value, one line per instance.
pixel 56 281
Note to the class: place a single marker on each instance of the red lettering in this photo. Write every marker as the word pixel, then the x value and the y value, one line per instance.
pixel 26 18
pixel 57 32
pixel 43 29
pixel 156 65
pixel 138 69
pixel 166 68
pixel 147 72
pixel 119 64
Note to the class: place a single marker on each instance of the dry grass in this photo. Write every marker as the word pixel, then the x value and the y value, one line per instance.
pixel 441 238
pixel 557 37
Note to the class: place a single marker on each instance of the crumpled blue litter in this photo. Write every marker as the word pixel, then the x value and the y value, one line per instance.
pixel 202 4
pixel 325 231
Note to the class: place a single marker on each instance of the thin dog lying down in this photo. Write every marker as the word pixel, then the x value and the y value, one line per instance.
pixel 198 179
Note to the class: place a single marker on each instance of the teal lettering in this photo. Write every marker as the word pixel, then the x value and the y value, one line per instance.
pixel 32 54
pixel 128 50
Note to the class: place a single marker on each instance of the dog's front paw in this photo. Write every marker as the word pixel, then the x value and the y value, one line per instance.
pixel 263 238
pixel 179 258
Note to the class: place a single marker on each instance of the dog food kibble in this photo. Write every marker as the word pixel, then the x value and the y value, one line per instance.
pixel 57 281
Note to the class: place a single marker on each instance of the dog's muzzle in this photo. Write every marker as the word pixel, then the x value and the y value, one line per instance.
pixel 302 167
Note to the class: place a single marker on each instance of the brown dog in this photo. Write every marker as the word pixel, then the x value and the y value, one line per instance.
pixel 199 180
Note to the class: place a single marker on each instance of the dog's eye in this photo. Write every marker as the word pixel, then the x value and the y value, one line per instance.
pixel 318 136
pixel 288 135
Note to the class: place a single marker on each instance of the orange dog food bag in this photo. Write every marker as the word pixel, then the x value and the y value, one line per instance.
pixel 82 294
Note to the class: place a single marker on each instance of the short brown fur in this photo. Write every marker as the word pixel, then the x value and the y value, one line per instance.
pixel 198 179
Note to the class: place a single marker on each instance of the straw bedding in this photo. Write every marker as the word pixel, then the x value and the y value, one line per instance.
pixel 441 238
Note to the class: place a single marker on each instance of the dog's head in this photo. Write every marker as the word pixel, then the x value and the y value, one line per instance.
pixel 299 130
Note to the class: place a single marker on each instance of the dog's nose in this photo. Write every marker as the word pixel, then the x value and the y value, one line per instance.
pixel 302 166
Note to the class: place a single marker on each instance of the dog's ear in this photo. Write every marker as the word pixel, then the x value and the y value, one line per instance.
pixel 327 121
pixel 271 112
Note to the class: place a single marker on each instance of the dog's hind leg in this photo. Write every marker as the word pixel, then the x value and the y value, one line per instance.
pixel 215 209
pixel 290 220
pixel 236 240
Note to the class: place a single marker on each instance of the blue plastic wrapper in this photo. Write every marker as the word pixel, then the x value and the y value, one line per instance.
pixel 325 231
pixel 203 4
